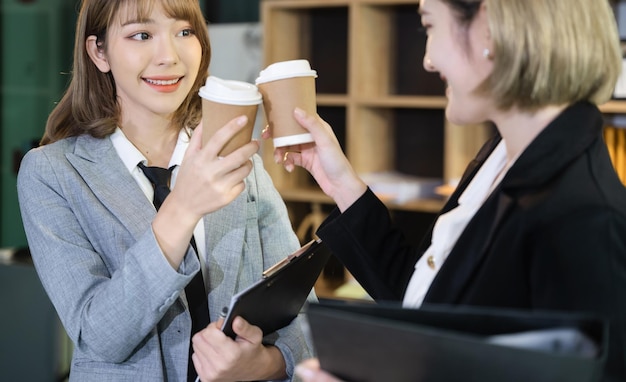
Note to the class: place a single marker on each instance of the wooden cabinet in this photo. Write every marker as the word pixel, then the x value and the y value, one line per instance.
pixel 386 110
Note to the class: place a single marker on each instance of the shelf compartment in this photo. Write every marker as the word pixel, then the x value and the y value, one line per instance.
pixel 419 141
pixel 316 33
pixel 388 58
pixel 406 140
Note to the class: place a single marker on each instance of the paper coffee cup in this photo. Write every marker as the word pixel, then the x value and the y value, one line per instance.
pixel 284 86
pixel 223 100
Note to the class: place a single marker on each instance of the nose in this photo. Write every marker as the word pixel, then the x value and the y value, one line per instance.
pixel 428 65
pixel 167 53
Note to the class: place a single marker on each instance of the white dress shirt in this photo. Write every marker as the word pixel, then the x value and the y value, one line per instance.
pixel 450 225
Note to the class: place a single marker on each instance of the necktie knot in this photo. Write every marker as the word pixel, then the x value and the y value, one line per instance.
pixel 160 179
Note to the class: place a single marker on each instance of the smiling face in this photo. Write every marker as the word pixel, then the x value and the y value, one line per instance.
pixel 455 51
pixel 154 62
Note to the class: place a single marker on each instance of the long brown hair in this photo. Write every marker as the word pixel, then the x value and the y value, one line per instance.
pixel 89 105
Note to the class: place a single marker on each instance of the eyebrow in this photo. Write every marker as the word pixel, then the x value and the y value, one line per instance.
pixel 137 21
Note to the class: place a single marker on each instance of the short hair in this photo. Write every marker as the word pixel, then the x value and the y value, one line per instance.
pixel 548 52
pixel 89 104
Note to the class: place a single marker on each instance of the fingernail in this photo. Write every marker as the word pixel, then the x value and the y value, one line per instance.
pixel 242 120
pixel 299 112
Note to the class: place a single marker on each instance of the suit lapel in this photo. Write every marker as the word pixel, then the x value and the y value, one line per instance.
pixel 468 175
pixel 105 174
pixel 469 251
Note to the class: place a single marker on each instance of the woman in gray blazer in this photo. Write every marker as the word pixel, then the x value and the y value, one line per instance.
pixel 115 268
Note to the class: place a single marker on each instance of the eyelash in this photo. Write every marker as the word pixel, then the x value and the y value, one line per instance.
pixel 140 35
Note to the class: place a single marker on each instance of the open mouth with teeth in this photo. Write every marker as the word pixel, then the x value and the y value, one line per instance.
pixel 162 82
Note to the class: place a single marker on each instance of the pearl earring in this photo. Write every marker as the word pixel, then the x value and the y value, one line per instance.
pixel 487 53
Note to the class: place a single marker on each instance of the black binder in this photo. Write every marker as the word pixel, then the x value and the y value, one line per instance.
pixel 275 300
pixel 385 342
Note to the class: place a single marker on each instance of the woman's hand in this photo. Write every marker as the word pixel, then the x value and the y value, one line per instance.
pixel 219 358
pixel 324 159
pixel 309 371
pixel 205 183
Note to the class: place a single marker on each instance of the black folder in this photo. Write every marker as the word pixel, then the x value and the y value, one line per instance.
pixel 359 341
pixel 275 300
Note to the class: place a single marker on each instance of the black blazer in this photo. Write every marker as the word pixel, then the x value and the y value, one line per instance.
pixel 552 236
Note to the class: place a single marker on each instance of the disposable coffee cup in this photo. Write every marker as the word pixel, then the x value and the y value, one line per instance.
pixel 284 86
pixel 223 100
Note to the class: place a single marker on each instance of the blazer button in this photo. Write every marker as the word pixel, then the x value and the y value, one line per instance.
pixel 431 262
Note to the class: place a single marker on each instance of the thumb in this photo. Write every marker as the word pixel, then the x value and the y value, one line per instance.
pixel 303 118
pixel 320 130
pixel 246 331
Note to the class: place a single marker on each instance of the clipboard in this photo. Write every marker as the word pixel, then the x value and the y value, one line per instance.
pixel 274 301
pixel 360 341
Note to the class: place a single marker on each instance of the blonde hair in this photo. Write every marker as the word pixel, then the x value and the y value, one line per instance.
pixel 89 105
pixel 548 52
pixel 552 52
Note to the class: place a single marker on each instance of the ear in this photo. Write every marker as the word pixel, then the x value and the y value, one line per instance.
pixel 96 53
pixel 485 17
pixel 485 41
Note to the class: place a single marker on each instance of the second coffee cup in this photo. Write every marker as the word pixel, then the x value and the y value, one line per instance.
pixel 286 85
pixel 223 100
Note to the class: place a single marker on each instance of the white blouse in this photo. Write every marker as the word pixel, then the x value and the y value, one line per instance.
pixel 450 225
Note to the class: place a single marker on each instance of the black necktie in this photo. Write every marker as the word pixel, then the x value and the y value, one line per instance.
pixel 195 292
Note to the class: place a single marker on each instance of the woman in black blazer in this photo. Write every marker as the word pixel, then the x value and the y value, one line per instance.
pixel 538 220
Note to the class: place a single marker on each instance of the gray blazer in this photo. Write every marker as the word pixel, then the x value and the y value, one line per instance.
pixel 88 226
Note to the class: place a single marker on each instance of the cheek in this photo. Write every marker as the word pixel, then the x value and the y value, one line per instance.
pixel 125 60
pixel 193 56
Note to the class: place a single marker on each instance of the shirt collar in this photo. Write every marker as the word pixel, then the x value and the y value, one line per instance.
pixel 131 156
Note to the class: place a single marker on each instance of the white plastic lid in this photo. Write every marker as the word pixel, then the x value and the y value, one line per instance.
pixel 286 69
pixel 230 92
pixel 292 140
